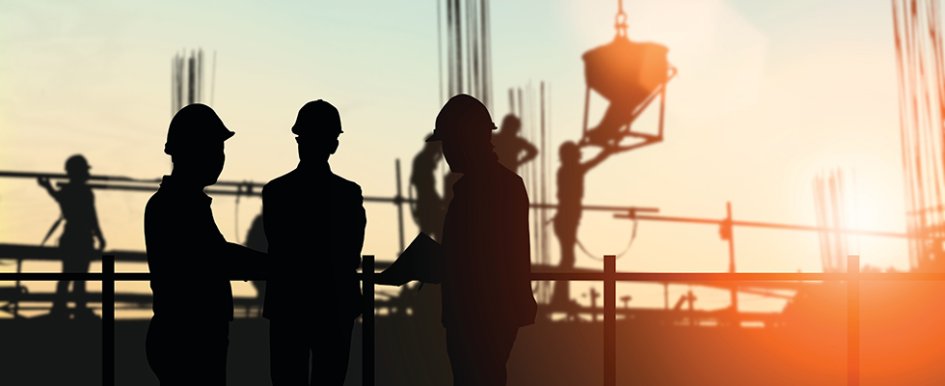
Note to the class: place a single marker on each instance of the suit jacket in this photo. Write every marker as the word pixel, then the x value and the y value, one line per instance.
pixel 314 221
pixel 487 262
pixel 190 262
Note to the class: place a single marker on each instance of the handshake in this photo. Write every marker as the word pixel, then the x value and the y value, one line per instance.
pixel 422 261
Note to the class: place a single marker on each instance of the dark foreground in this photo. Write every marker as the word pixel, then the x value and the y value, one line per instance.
pixel 902 343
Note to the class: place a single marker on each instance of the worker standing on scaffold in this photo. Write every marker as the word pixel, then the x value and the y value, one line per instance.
pixel 77 204
pixel 568 218
pixel 509 146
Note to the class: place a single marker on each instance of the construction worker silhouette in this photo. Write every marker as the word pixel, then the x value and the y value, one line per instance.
pixel 314 221
pixel 509 145
pixel 486 288
pixel 190 261
pixel 428 207
pixel 77 206
pixel 570 196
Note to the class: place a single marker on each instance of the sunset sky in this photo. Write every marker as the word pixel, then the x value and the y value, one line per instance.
pixel 769 94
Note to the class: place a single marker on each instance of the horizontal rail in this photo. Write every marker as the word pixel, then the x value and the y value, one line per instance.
pixel 661 277
pixel 36 253
pixel 249 188
pixel 609 277
pixel 760 224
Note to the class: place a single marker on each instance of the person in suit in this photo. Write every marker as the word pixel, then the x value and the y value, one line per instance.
pixel 191 264
pixel 568 217
pixel 487 293
pixel 314 221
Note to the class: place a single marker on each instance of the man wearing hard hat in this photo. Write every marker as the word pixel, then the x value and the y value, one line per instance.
pixel 487 293
pixel 314 221
pixel 190 262
pixel 77 205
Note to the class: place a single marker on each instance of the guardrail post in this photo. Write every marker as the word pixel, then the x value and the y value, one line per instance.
pixel 108 320
pixel 731 263
pixel 610 320
pixel 367 321
pixel 399 201
pixel 853 320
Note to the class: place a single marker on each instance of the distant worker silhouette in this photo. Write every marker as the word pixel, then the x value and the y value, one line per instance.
pixel 487 293
pixel 570 197
pixel 314 222
pixel 77 206
pixel 190 261
pixel 509 145
pixel 428 209
pixel 256 240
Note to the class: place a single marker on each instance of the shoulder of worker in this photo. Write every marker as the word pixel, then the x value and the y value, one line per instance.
pixel 512 186
pixel 157 204
pixel 508 178
pixel 345 186
pixel 74 189
pixel 281 182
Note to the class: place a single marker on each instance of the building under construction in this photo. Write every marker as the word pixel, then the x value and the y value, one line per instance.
pixel 840 326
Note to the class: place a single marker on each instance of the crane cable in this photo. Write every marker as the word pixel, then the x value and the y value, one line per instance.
pixel 620 20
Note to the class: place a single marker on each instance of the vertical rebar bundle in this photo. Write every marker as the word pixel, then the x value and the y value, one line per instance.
pixel 187 79
pixel 530 106
pixel 468 51
pixel 830 205
pixel 921 72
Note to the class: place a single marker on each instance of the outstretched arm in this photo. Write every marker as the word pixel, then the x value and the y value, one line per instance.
pixel 600 157
pixel 44 182
pixel 244 261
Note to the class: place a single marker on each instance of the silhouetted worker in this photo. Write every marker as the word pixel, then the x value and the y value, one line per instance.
pixel 256 240
pixel 429 207
pixel 568 217
pixel 190 261
pixel 509 145
pixel 77 205
pixel 314 221
pixel 486 287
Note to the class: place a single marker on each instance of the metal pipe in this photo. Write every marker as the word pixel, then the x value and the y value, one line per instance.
pixel 853 321
pixel 610 320
pixel 599 208
pixel 399 201
pixel 367 322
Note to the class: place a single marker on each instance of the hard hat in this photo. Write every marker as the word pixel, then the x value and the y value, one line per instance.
pixel 462 117
pixel 317 117
pixel 77 163
pixel 193 128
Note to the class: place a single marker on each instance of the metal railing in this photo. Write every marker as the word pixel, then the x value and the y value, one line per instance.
pixel 609 277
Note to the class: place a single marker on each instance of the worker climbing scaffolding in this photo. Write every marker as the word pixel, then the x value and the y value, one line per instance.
pixel 630 75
